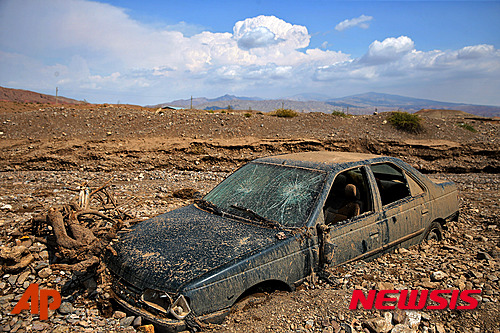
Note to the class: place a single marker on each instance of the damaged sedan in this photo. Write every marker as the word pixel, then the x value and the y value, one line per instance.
pixel 269 225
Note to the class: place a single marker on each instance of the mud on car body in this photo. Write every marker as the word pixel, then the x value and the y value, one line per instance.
pixel 272 223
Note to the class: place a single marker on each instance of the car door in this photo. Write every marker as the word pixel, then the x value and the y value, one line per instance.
pixel 352 237
pixel 403 205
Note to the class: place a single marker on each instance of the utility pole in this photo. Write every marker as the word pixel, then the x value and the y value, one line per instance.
pixel 191 103
pixel 57 89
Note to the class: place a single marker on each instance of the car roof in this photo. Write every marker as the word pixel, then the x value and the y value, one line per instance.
pixel 319 159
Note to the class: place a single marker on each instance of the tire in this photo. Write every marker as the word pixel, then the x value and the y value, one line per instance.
pixel 434 232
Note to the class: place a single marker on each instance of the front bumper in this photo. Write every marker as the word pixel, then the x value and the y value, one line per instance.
pixel 168 325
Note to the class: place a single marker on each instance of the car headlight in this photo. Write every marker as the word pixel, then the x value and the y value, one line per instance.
pixel 180 309
pixel 158 300
pixel 162 302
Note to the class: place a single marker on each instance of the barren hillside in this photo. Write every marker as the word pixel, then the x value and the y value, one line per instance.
pixel 26 96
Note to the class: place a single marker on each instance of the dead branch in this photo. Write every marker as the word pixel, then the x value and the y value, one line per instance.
pixel 100 188
pixel 81 234
pixel 81 266
pixel 15 258
pixel 95 212
pixel 82 229
pixel 55 218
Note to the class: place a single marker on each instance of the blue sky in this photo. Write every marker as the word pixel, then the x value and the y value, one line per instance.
pixel 148 52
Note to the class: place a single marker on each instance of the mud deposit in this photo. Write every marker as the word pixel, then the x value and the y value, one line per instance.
pixel 151 156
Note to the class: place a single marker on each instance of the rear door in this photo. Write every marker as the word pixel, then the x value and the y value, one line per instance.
pixel 403 215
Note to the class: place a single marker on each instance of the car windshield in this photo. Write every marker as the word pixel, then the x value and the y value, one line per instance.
pixel 275 193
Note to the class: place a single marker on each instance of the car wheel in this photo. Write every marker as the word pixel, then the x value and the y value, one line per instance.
pixel 434 233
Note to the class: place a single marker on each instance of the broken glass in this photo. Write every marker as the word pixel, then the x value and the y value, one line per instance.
pixel 278 193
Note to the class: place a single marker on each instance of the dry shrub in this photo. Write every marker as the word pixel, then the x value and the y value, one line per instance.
pixel 405 121
pixel 285 113
pixel 340 114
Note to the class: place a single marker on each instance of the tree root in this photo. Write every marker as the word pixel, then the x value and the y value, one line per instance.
pixel 15 258
pixel 82 232
pixel 80 267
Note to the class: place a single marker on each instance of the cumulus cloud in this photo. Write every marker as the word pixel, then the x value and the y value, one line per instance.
pixel 97 48
pixel 476 51
pixel 388 50
pixel 361 22
pixel 91 42
pixel 258 37
pixel 263 31
pixel 395 59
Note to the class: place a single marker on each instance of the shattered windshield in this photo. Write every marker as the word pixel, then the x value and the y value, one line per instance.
pixel 276 193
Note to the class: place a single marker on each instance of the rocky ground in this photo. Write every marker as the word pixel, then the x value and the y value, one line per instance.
pixel 46 150
pixel 468 258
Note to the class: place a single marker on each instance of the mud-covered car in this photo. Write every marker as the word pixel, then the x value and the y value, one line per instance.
pixel 269 225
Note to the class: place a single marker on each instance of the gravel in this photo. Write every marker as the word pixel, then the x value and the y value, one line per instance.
pixel 467 258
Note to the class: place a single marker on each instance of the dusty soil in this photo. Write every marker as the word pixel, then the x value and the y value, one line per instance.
pixel 106 138
pixel 468 257
pixel 44 149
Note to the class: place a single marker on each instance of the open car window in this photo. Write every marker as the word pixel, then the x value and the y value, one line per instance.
pixel 391 182
pixel 278 193
pixel 349 197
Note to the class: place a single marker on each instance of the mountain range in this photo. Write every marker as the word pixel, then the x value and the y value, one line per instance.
pixel 356 104
pixel 366 103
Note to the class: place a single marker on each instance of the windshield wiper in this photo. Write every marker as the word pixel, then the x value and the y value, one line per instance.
pixel 208 205
pixel 256 216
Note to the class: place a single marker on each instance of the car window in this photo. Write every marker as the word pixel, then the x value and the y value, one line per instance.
pixel 349 196
pixel 391 182
pixel 415 187
pixel 277 193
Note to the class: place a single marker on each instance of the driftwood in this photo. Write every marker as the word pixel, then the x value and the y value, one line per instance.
pixel 84 227
pixel 15 258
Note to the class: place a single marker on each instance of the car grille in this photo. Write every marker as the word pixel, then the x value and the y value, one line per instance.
pixel 132 295
pixel 125 290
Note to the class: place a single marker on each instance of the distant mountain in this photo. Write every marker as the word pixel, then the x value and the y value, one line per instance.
pixel 203 100
pixel 234 98
pixel 308 97
pixel 386 100
pixel 366 103
pixel 26 96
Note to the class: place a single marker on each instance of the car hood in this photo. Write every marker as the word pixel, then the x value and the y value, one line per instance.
pixel 167 251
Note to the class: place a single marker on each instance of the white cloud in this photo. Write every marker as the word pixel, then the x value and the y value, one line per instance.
pixel 361 22
pixel 186 29
pixel 271 30
pixel 396 59
pixel 388 50
pixel 258 37
pixel 476 51
pixel 90 41
pixel 98 49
